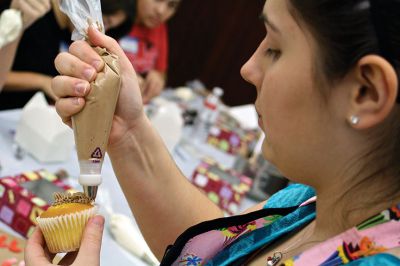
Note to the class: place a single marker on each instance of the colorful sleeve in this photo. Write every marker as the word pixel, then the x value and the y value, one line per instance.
pixel 380 259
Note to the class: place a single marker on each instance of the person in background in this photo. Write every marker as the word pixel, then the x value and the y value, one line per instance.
pixel 116 11
pixel 327 79
pixel 33 67
pixel 147 44
pixel 30 12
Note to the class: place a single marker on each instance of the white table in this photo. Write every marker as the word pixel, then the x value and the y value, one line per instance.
pixel 111 253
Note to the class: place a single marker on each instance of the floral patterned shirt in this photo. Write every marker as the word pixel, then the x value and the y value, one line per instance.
pixel 232 240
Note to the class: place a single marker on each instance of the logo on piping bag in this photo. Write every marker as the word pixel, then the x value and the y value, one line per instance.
pixel 97 153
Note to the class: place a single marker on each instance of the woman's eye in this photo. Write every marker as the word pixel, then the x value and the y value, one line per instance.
pixel 273 53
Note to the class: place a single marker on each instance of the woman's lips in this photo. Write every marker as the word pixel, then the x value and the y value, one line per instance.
pixel 260 123
pixel 259 118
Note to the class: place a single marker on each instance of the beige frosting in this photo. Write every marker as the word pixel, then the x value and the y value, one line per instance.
pixel 93 124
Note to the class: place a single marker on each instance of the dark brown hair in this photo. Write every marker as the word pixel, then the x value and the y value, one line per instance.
pixel 110 7
pixel 347 30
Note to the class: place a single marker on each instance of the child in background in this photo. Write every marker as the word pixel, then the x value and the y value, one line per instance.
pixel 146 46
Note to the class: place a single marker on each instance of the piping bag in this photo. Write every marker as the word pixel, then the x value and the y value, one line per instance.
pixel 93 124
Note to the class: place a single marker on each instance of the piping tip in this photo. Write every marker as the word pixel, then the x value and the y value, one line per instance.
pixel 90 191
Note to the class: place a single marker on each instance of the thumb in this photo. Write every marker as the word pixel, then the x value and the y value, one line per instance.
pixel 89 252
pixel 97 38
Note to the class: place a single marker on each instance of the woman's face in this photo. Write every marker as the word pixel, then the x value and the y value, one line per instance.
pixel 152 13
pixel 114 20
pixel 292 112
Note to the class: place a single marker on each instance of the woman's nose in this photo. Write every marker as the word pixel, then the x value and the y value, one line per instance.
pixel 252 71
pixel 248 71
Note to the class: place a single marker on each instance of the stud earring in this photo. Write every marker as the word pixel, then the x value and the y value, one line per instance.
pixel 354 120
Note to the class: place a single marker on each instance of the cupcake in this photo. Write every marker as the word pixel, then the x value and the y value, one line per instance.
pixel 63 223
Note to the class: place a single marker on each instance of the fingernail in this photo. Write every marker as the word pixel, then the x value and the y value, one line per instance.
pixel 80 89
pixel 97 64
pixel 98 220
pixel 88 73
pixel 96 28
pixel 77 100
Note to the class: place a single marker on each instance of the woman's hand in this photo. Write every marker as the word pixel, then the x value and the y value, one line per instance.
pixel 36 254
pixel 31 10
pixel 80 66
pixel 153 85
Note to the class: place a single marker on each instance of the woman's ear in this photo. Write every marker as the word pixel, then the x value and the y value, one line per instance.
pixel 375 94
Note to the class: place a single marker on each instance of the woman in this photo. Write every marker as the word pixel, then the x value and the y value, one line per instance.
pixel 327 79
pixel 33 68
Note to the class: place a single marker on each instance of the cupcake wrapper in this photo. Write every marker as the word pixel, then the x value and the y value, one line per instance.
pixel 64 233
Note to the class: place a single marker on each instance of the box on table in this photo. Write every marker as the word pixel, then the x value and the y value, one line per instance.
pixel 41 132
pixel 225 187
pixel 228 136
pixel 24 197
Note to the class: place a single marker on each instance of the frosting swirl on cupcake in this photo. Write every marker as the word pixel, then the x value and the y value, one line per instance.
pixel 63 198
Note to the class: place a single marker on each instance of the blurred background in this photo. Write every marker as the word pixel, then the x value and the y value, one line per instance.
pixel 210 41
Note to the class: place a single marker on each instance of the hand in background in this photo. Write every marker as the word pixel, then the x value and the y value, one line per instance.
pixel 45 86
pixel 36 254
pixel 31 10
pixel 141 82
pixel 153 85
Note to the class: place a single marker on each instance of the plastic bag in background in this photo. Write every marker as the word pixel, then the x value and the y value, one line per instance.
pixel 83 13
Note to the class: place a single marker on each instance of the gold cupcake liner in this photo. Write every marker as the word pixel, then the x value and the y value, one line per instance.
pixel 64 233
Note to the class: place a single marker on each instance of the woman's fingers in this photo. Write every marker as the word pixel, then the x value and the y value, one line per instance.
pixel 38 6
pixel 85 52
pixel 99 39
pixel 31 9
pixel 73 85
pixel 34 250
pixel 64 86
pixel 70 65
pixel 89 252
pixel 70 92
pixel 67 107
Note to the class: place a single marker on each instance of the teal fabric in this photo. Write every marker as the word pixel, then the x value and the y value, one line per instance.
pixel 377 260
pixel 291 196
